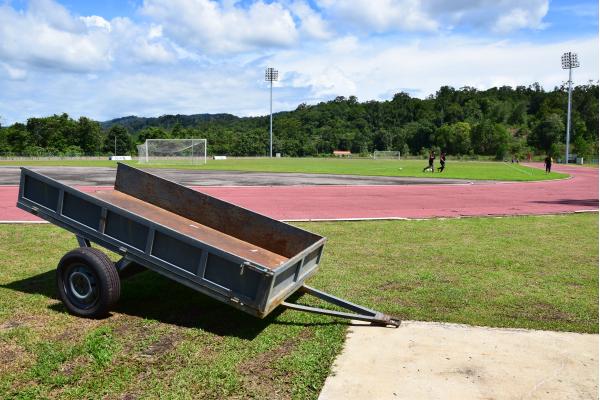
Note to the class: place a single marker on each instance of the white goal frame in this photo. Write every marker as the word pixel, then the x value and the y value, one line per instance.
pixel 387 154
pixel 173 151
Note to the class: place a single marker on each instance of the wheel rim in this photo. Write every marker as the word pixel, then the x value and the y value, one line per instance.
pixel 81 286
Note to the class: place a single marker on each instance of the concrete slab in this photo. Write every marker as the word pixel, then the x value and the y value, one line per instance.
pixel 427 360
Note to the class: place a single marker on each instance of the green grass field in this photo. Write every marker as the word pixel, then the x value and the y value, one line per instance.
pixel 167 341
pixel 484 170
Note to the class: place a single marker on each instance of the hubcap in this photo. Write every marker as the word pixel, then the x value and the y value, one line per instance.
pixel 80 285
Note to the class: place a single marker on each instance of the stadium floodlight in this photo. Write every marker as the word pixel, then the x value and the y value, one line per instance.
pixel 569 61
pixel 271 74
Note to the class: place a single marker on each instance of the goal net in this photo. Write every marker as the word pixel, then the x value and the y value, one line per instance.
pixel 380 155
pixel 172 151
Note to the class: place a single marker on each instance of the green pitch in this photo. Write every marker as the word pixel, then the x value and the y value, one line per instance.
pixel 402 168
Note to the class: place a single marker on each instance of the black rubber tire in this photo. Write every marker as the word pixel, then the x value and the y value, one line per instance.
pixel 88 271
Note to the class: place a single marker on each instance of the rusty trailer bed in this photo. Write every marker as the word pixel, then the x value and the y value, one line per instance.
pixel 232 254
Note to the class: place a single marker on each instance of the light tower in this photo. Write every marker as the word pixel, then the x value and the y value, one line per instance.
pixel 271 74
pixel 569 61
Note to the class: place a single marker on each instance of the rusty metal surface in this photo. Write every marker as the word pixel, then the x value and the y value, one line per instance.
pixel 246 225
pixel 192 228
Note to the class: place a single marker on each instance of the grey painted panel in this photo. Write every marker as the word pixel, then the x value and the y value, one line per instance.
pixel 81 211
pixel 227 274
pixel 310 261
pixel 176 252
pixel 126 230
pixel 41 193
pixel 285 278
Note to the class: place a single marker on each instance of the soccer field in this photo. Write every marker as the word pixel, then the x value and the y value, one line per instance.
pixel 475 170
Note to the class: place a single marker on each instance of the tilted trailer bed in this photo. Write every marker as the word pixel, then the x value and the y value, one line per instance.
pixel 232 254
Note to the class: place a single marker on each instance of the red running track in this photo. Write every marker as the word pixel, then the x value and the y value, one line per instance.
pixel 411 201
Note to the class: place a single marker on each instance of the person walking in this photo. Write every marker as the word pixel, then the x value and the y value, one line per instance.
pixel 442 162
pixel 548 162
pixel 431 160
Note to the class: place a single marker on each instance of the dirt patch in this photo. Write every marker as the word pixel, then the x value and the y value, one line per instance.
pixel 541 312
pixel 13 357
pixel 163 345
pixel 260 375
pixel 70 367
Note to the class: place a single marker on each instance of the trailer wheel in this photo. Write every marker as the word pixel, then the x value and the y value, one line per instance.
pixel 88 282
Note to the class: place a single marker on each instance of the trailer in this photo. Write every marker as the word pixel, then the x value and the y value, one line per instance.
pixel 237 256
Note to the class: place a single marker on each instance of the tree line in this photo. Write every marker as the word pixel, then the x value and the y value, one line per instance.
pixel 500 122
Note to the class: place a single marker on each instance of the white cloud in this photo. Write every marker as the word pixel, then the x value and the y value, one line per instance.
pixel 311 22
pixel 381 15
pixel 374 69
pixel 215 28
pixel 95 21
pixel 518 18
pixel 47 36
pixel 133 43
pixel 432 15
pixel 13 73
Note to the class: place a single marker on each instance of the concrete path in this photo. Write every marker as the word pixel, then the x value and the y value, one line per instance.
pixel 428 360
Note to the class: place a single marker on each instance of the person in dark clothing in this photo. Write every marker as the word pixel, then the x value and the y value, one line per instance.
pixel 442 162
pixel 431 159
pixel 548 162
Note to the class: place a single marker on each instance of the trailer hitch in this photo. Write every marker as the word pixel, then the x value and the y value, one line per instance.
pixel 359 312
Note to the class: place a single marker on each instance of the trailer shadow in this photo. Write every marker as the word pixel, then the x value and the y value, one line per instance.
pixel 151 296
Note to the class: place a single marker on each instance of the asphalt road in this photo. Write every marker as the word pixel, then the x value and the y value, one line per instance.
pixel 102 176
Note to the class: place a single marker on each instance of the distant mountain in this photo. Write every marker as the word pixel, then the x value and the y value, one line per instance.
pixel 135 124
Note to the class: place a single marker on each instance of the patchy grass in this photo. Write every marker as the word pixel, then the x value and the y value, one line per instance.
pixel 167 341
pixel 476 170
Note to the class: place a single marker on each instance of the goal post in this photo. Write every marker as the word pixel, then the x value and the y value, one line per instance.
pixel 172 151
pixel 387 155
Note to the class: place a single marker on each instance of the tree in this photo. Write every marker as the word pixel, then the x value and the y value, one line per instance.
pixel 547 132
pixel 454 138
pixel 90 136
pixel 117 135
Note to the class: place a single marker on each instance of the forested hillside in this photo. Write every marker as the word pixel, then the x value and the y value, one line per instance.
pixel 498 122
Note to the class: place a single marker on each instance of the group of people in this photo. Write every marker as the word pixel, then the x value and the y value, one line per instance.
pixel 430 167
pixel 431 161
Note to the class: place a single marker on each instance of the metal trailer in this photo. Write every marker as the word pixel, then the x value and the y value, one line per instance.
pixel 242 258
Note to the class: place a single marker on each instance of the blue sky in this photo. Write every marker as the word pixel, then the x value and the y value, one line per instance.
pixel 106 59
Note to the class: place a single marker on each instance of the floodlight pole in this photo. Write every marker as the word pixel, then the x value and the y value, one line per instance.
pixel 271 74
pixel 569 61
pixel 568 119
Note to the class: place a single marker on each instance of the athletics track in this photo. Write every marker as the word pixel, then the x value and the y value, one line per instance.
pixel 579 193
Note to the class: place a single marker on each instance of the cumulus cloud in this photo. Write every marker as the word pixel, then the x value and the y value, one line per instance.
pixel 223 28
pixel 380 15
pixel 47 36
pixel 375 70
pixel 432 15
pixel 312 23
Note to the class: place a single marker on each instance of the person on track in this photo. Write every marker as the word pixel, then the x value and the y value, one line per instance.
pixel 442 162
pixel 548 162
pixel 431 160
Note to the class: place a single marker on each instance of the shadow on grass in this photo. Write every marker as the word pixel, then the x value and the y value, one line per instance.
pixel 151 296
